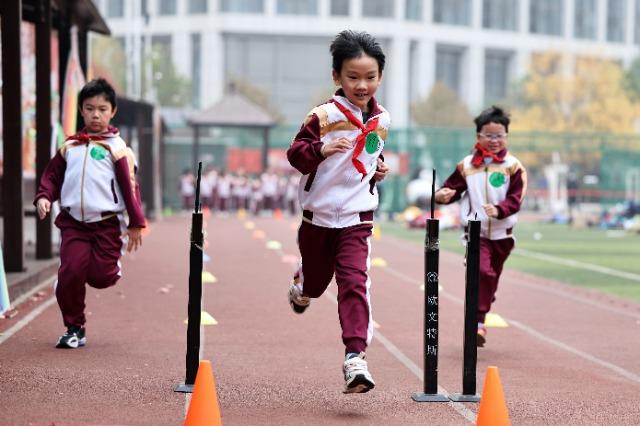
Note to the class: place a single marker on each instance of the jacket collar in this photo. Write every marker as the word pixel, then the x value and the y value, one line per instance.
pixel 374 108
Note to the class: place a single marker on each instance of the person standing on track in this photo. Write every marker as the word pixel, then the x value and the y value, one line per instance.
pixel 93 177
pixel 339 152
pixel 490 183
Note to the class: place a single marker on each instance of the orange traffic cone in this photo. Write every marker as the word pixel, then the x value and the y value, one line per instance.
pixel 493 409
pixel 277 214
pixel 204 409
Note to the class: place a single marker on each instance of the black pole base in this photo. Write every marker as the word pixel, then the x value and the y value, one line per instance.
pixel 429 397
pixel 184 388
pixel 460 397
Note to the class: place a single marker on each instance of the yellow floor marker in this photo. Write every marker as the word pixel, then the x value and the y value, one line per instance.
pixel 376 325
pixel 258 234
pixel 205 319
pixel 495 320
pixel 242 213
pixel 378 261
pixel 377 232
pixel 249 225
pixel 208 278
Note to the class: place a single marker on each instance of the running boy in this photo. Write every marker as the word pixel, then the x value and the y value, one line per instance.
pixel 93 177
pixel 494 183
pixel 338 150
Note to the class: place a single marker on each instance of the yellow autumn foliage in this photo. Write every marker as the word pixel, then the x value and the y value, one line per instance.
pixel 587 96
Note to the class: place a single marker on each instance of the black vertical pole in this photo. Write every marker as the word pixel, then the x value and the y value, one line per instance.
pixel 43 117
pixel 195 294
pixel 470 310
pixel 431 282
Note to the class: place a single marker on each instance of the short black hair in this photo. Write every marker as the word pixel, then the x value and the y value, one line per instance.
pixel 493 114
pixel 96 87
pixel 350 44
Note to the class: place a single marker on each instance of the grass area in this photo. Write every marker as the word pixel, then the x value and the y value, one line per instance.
pixel 608 249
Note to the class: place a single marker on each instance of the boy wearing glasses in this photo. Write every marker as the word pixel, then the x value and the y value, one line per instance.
pixel 491 183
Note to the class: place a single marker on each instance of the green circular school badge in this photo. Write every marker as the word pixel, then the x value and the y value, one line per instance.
pixel 497 179
pixel 373 142
pixel 98 153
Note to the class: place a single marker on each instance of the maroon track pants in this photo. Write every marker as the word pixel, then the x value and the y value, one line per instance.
pixel 89 253
pixel 493 254
pixel 345 252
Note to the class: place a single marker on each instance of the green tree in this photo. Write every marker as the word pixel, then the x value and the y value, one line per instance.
pixel 442 108
pixel 171 88
pixel 108 60
pixel 632 80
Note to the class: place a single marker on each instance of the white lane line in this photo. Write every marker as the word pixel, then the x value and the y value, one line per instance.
pixel 543 288
pixel 27 319
pixel 597 304
pixel 411 366
pixel 615 368
pixel 577 264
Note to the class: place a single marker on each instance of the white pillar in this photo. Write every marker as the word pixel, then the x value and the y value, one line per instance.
pixel 398 75
pixel 472 75
pixel 601 26
pixel 425 67
pixel 212 68
pixel 569 21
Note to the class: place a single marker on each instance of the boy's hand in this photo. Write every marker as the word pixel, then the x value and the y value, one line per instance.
pixel 337 145
pixel 135 239
pixel 381 171
pixel 44 207
pixel 444 195
pixel 490 210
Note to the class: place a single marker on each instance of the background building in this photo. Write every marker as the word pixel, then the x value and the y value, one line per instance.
pixel 477 47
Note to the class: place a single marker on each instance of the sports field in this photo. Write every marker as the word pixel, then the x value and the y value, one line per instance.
pixel 587 257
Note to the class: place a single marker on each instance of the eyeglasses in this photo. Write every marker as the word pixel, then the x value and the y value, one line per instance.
pixel 493 136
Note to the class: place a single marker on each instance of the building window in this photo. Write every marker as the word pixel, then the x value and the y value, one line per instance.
pixel 196 55
pixel 297 7
pixel 454 12
pixel 115 8
pixel 340 7
pixel 616 17
pixel 497 72
pixel 413 10
pixel 197 6
pixel 242 6
pixel 545 17
pixel 500 14
pixel 449 66
pixel 166 7
pixel 378 8
pixel 585 21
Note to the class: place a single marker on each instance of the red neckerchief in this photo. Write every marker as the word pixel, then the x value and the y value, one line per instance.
pixel 481 153
pixel 362 137
pixel 84 137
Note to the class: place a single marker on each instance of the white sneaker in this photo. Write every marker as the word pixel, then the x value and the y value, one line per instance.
pixel 297 300
pixel 357 378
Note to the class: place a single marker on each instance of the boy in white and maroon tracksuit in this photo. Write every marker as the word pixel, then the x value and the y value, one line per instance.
pixel 338 150
pixel 494 183
pixel 93 177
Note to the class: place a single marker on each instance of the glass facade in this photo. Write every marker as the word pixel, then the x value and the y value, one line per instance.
pixel 339 8
pixel 413 10
pixel 196 63
pixel 242 6
pixel 497 74
pixel 500 14
pixel 546 17
pixel 167 7
pixel 585 19
pixel 115 8
pixel 197 6
pixel 453 12
pixel 297 7
pixel 616 20
pixel 378 8
pixel 449 66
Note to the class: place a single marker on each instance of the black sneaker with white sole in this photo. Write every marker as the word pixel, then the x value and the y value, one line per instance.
pixel 357 378
pixel 72 339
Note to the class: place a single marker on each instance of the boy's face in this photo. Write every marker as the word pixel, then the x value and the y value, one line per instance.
pixel 97 112
pixel 359 78
pixel 492 136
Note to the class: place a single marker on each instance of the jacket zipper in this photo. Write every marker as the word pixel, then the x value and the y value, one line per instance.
pixel 486 198
pixel 84 167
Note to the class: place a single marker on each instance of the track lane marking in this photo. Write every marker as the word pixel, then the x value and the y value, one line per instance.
pixel 629 375
pixel 561 293
pixel 412 367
